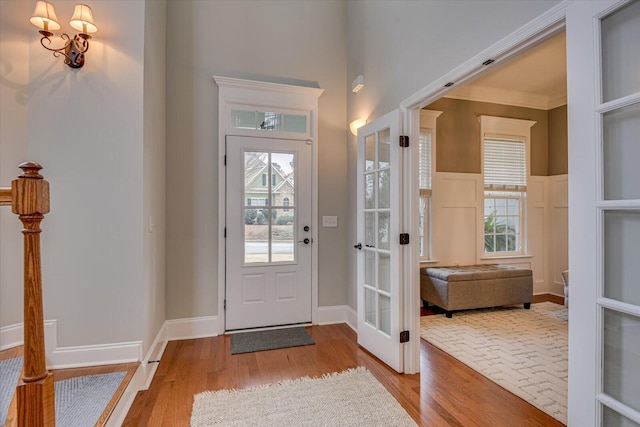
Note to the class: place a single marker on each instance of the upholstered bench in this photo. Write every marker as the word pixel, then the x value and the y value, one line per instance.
pixel 476 286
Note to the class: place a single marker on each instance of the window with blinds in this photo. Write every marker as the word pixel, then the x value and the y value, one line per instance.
pixel 505 182
pixel 505 165
pixel 424 171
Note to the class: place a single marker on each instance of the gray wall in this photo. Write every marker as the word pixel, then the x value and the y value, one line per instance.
pixel 101 151
pixel 14 97
pixel 458 134
pixel 558 141
pixel 402 46
pixel 280 41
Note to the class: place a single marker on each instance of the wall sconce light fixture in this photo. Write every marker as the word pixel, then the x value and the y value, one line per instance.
pixel 44 17
pixel 357 84
pixel 357 124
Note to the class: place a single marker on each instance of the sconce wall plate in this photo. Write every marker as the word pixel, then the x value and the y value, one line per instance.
pixel 73 50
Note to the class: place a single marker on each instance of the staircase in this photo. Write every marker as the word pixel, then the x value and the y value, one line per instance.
pixel 33 404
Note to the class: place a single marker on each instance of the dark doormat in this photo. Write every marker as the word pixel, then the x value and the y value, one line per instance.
pixel 248 342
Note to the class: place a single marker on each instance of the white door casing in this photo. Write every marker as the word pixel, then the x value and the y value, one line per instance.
pixel 604 215
pixel 379 272
pixel 260 96
pixel 268 241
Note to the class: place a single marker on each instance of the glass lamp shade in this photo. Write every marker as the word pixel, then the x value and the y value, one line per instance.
pixel 44 17
pixel 82 19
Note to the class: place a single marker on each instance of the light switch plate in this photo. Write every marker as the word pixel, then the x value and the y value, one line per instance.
pixel 329 221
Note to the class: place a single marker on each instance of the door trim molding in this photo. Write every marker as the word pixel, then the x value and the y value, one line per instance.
pixel 544 26
pixel 251 93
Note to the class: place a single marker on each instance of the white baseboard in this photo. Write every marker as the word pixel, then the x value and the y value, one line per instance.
pixel 337 314
pixel 11 336
pixel 195 327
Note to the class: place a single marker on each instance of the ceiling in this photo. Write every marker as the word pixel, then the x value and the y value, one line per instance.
pixel 537 78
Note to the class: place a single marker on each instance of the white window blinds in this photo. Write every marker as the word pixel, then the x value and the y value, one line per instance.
pixel 505 165
pixel 424 162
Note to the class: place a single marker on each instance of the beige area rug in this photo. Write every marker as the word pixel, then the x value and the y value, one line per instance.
pixel 524 351
pixel 350 398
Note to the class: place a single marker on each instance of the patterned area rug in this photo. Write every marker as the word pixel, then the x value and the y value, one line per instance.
pixel 9 376
pixel 349 398
pixel 524 351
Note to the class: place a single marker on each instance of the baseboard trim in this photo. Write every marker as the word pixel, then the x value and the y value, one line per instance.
pixel 331 315
pixel 548 296
pixel 195 327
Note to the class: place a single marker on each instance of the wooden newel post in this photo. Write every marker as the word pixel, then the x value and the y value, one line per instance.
pixel 35 392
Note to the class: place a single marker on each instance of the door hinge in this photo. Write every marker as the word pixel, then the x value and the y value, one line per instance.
pixel 404 337
pixel 225 160
pixel 404 141
pixel 404 238
pixel 225 304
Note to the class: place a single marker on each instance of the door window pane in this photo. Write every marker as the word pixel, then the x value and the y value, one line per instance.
pixel 256 239
pixel 383 230
pixel 384 187
pixel 620 33
pixel 370 230
pixel 283 236
pixel 384 313
pixel 621 357
pixel 622 256
pixel 621 151
pixel 369 191
pixel 384 272
pixel 370 307
pixel 370 152
pixel 370 268
pixel 610 418
pixel 384 142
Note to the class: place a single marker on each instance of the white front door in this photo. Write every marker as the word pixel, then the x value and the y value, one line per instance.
pixel 603 82
pixel 379 277
pixel 268 232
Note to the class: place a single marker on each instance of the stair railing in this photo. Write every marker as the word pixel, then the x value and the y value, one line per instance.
pixel 29 199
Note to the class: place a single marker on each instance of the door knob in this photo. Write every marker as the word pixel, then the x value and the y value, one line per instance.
pixel 358 246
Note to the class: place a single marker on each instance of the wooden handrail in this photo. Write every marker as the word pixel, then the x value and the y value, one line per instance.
pixel 5 196
pixel 29 198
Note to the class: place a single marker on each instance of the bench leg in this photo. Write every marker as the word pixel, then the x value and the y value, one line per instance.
pixel 527 305
pixel 449 314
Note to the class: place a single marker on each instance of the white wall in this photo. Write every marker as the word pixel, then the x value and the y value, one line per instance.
pixel 402 46
pixel 456 211
pixel 14 97
pixel 280 41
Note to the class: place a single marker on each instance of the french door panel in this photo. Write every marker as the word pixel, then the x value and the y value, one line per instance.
pixel 378 231
pixel 604 124
pixel 268 242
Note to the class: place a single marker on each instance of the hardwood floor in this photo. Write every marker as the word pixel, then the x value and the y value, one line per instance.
pixel 446 393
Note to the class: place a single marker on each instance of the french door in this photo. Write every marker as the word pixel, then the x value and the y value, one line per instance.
pixel 378 230
pixel 603 77
pixel 268 232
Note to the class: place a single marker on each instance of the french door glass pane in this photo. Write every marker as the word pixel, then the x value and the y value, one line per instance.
pixel 621 357
pixel 370 230
pixel 384 272
pixel 621 151
pixel 256 240
pixel 383 230
pixel 622 256
pixel 370 268
pixel 384 141
pixel 369 191
pixel 620 33
pixel 611 418
pixel 383 188
pixel 370 307
pixel 384 313
pixel 370 153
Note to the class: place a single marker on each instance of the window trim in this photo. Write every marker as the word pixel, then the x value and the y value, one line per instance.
pixel 509 129
pixel 428 119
